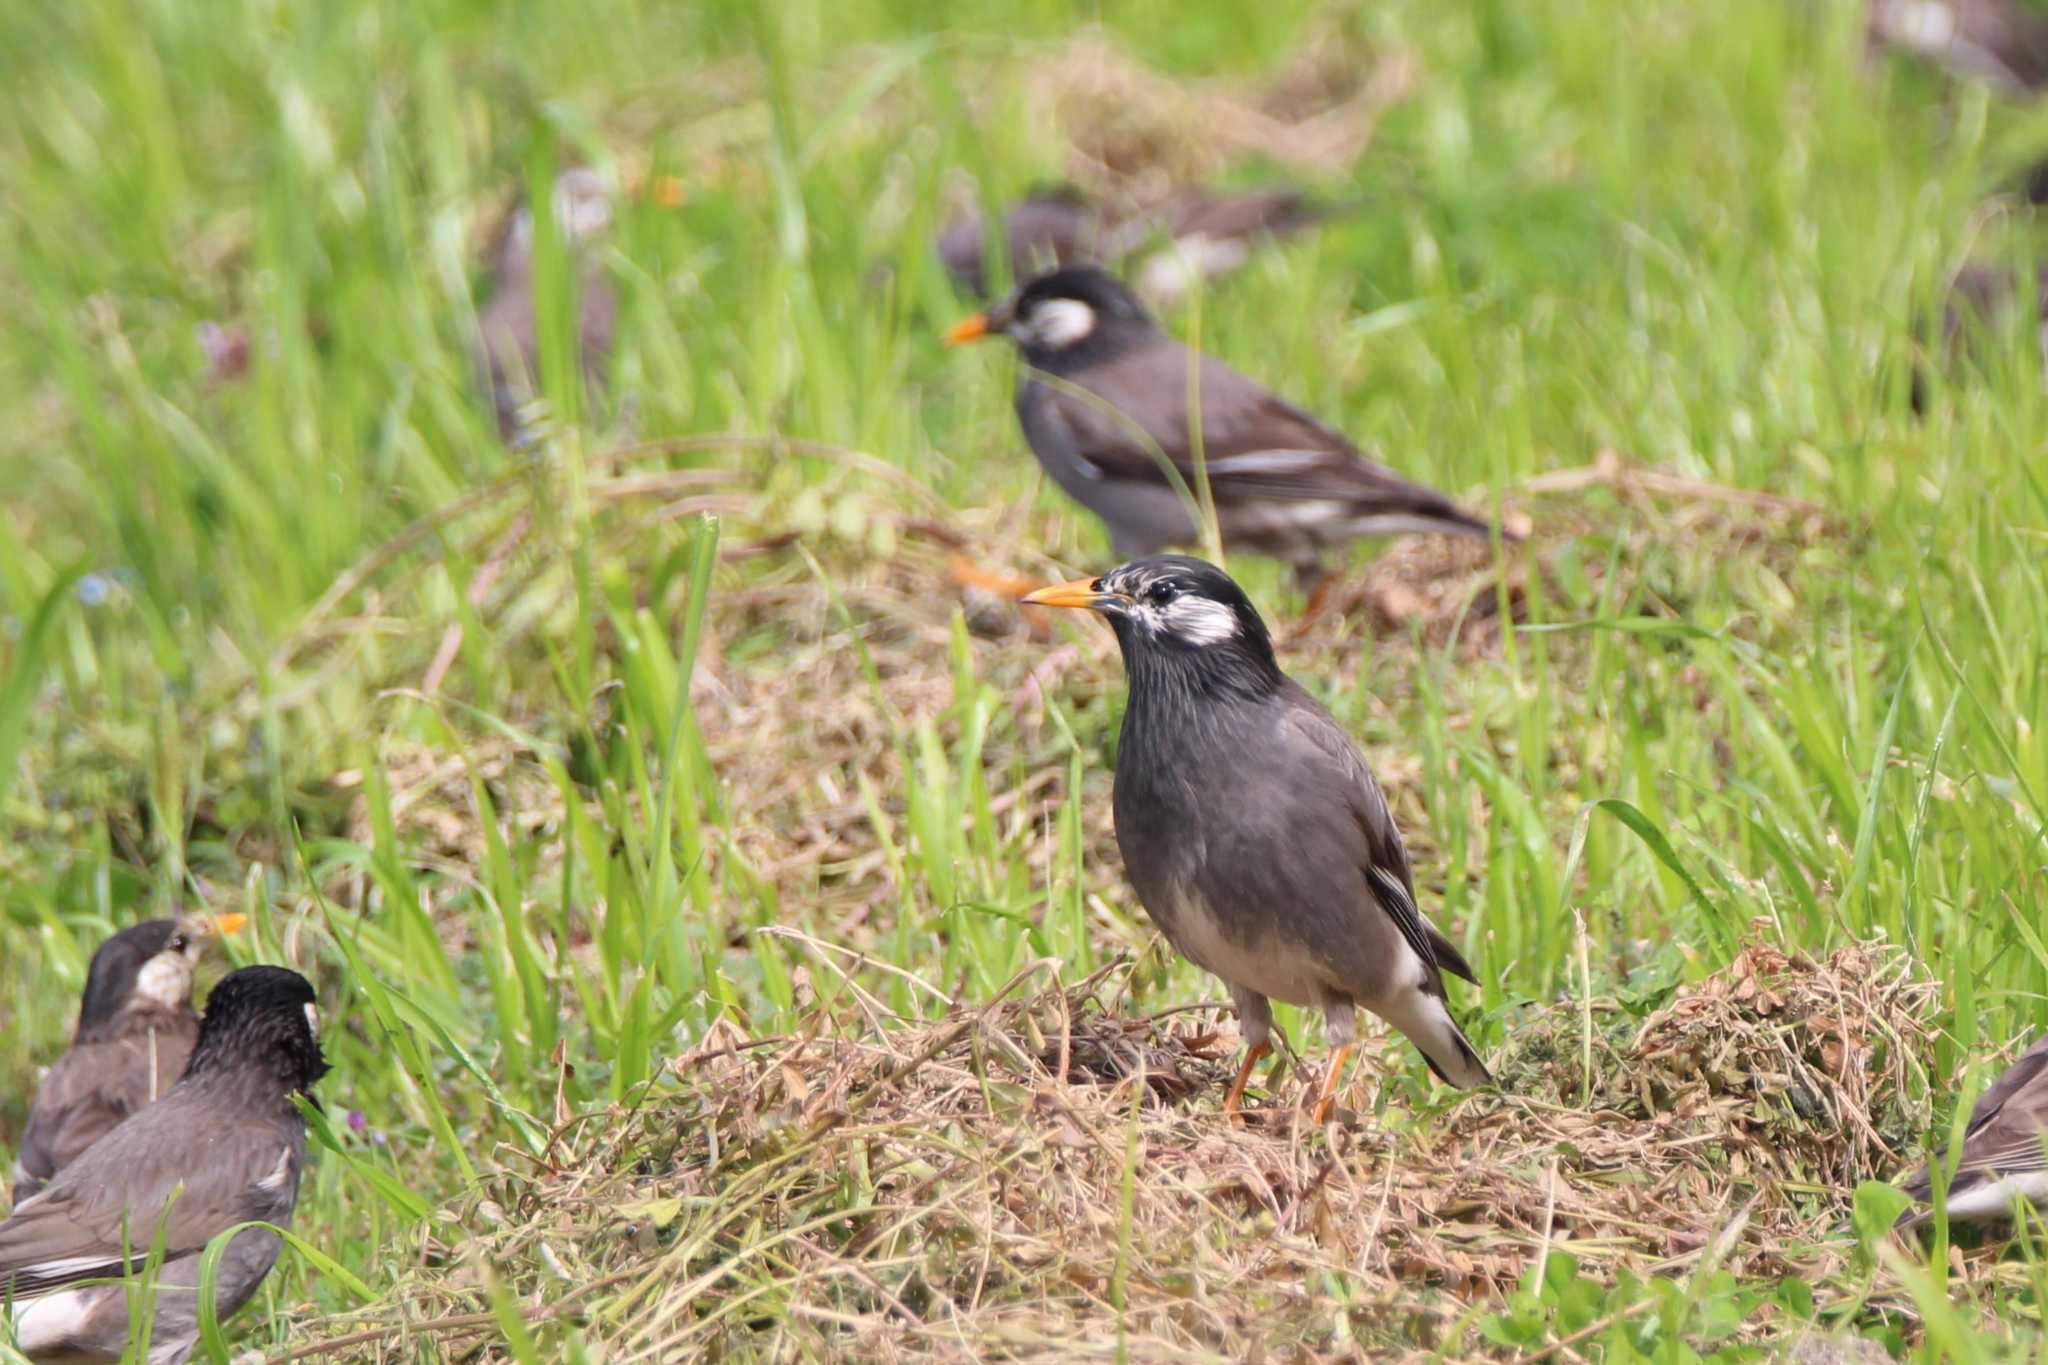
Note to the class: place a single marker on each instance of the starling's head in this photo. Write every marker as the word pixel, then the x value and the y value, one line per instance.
pixel 262 1017
pixel 1061 316
pixel 1173 609
pixel 583 204
pixel 583 213
pixel 148 966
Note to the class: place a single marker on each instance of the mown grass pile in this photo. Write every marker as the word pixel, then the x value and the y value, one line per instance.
pixel 716 915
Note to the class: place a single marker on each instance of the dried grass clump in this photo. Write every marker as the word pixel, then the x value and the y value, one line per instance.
pixel 1454 588
pixel 1781 1068
pixel 1044 1177
pixel 1136 133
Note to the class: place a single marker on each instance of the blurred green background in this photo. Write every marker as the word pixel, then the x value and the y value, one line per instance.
pixel 1709 239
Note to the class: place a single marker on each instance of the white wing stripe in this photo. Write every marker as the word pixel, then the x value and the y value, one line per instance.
pixel 1270 462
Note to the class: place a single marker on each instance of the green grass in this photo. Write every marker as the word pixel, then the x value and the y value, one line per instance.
pixel 679 771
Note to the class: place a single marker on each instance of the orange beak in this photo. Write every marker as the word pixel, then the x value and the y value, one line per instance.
pixel 1079 593
pixel 665 190
pixel 229 923
pixel 968 329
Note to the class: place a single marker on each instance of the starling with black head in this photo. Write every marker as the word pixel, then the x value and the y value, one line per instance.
pixel 1104 402
pixel 1252 830
pixel 135 1033
pixel 226 1146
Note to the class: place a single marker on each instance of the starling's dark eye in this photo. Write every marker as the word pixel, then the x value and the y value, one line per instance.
pixel 1162 592
pixel 177 943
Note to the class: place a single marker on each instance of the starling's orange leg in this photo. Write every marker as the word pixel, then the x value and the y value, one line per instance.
pixel 1328 1095
pixel 1319 591
pixel 1252 1055
pixel 968 574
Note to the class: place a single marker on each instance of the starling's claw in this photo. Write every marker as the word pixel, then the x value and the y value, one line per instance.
pixel 1326 1096
pixel 1318 602
pixel 1252 1055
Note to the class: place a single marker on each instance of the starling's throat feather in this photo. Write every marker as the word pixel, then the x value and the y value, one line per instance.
pixel 165 980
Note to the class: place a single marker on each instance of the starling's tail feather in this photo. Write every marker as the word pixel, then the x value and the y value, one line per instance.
pixel 1428 1025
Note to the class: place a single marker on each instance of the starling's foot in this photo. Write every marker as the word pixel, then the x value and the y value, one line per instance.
pixel 1320 590
pixel 1326 1096
pixel 1252 1055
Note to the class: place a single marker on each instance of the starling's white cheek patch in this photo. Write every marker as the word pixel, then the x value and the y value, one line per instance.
pixel 165 980
pixel 313 1020
pixel 1059 323
pixel 1200 621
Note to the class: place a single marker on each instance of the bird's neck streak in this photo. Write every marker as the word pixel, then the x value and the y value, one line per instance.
pixel 1171 688
pixel 1110 339
pixel 289 1062
pixel 133 1021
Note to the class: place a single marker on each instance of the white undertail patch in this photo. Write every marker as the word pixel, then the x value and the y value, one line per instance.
pixel 1428 1024
pixel 47 1323
pixel 1994 1199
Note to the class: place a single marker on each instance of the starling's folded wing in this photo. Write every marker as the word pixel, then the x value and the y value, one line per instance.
pixel 1384 859
pixel 1132 414
pixel 88 1092
pixel 211 1174
pixel 80 1101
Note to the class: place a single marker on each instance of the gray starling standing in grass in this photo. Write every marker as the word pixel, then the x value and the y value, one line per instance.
pixel 2005 1150
pixel 135 1033
pixel 1104 405
pixel 225 1146
pixel 1252 830
pixel 508 346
